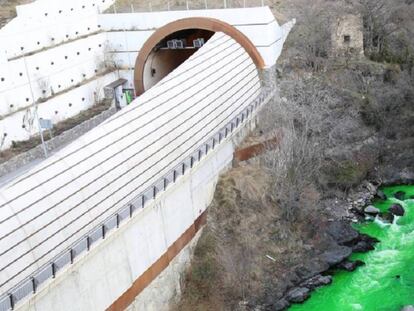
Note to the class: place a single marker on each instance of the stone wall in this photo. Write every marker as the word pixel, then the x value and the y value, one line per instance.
pixel 347 36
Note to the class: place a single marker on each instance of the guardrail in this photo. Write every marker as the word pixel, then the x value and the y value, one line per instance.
pixel 49 271
pixel 169 5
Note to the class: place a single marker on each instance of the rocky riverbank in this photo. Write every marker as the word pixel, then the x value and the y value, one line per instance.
pixel 250 259
pixel 346 241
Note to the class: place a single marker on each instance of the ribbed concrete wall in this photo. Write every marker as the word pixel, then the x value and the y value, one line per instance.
pixel 52 53
pixel 61 200
pixel 62 48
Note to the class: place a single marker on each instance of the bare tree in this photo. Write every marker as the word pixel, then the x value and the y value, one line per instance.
pixel 312 34
pixel 388 29
pixel 295 166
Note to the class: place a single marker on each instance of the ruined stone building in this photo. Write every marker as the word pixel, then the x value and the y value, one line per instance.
pixel 347 36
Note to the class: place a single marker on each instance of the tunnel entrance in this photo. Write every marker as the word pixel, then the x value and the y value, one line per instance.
pixel 171 52
pixel 170 45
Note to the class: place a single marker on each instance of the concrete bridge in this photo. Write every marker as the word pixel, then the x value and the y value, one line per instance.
pixel 101 222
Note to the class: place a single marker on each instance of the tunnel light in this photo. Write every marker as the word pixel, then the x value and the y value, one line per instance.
pixel 176 44
pixel 198 43
pixel 171 44
pixel 179 44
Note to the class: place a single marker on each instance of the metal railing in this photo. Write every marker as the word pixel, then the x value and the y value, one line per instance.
pixel 179 5
pixel 49 271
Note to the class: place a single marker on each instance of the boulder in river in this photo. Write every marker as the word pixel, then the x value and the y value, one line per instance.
pixel 336 255
pixel 363 243
pixel 362 247
pixel 397 210
pixel 317 281
pixel 350 265
pixel 311 269
pixel 388 217
pixel 400 195
pixel 371 210
pixel 381 195
pixel 298 294
pixel 341 231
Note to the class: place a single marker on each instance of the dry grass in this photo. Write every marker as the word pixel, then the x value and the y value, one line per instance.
pixel 244 226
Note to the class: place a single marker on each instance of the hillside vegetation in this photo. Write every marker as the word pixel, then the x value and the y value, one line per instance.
pixel 347 119
pixel 8 10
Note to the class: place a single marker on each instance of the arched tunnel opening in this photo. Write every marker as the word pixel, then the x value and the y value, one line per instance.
pixel 171 52
pixel 170 45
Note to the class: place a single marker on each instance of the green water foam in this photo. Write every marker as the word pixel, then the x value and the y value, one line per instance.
pixel 386 282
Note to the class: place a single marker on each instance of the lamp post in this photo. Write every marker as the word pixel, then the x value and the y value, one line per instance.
pixel 35 108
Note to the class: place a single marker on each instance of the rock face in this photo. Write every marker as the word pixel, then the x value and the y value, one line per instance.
pixel 350 265
pixel 280 305
pixel 371 188
pixel 336 255
pixel 371 210
pixel 298 294
pixel 388 217
pixel 317 281
pixel 397 210
pixel 341 232
pixel 310 270
pixel 363 243
pixel 400 195
pixel 362 247
pixel 342 240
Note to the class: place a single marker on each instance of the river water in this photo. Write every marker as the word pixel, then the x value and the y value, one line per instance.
pixel 386 282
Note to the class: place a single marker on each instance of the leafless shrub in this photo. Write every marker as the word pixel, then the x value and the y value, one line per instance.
pixel 29 119
pixel 43 85
pixel 312 34
pixel 108 62
pixel 388 30
pixel 295 166
pixel 237 265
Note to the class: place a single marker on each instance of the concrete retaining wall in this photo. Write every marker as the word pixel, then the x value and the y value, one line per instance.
pixel 144 250
pixel 20 161
pixel 97 280
pixel 58 54
pixel 58 202
pixel 166 289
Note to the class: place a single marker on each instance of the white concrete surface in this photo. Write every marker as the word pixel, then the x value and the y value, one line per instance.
pixel 258 24
pixel 68 43
pixel 166 289
pixel 108 270
pixel 58 201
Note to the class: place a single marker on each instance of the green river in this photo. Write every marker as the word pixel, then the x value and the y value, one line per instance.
pixel 386 282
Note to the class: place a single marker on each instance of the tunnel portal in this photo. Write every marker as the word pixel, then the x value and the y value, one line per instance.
pixel 171 52
pixel 170 45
